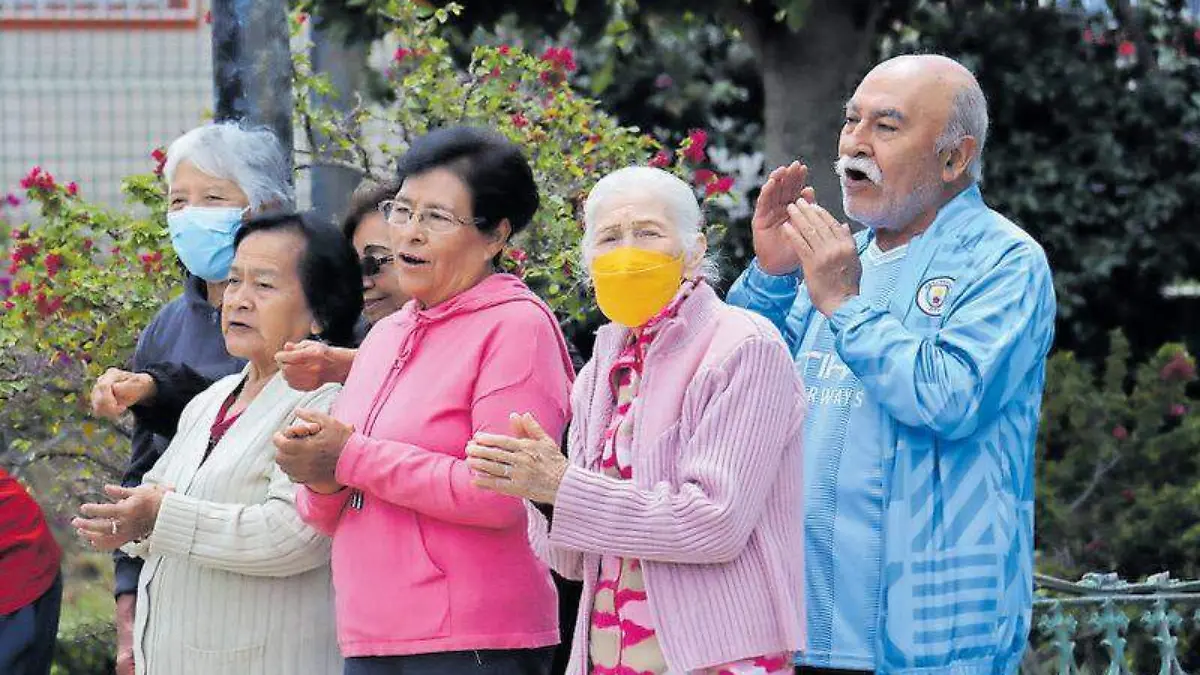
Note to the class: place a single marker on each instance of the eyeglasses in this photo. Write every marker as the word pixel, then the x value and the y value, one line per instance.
pixel 372 265
pixel 434 220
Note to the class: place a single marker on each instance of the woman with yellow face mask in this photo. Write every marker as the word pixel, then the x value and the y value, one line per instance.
pixel 678 502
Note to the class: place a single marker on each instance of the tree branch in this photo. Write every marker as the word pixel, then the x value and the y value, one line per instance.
pixel 1101 470
pixel 70 454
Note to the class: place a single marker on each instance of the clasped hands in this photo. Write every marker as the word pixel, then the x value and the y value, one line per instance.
pixel 792 231
pixel 309 450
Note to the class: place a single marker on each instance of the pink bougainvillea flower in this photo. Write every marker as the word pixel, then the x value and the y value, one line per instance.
pixel 698 139
pixel 661 160
pixel 1180 367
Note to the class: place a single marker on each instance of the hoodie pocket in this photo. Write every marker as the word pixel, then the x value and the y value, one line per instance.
pixel 388 588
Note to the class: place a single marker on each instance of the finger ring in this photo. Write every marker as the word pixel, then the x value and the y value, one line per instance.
pixel 114 524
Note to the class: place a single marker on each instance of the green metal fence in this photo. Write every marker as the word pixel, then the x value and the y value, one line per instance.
pixel 1103 623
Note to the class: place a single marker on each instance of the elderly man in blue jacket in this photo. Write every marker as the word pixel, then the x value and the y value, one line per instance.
pixel 922 342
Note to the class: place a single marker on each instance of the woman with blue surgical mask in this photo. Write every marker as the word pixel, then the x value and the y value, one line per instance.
pixel 217 175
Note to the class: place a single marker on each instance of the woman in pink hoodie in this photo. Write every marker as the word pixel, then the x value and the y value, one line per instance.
pixel 432 574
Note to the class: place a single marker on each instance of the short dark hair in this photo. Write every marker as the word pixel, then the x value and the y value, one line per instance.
pixel 329 271
pixel 493 168
pixel 364 202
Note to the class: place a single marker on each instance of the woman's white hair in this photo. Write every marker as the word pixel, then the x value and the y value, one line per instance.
pixel 250 157
pixel 676 195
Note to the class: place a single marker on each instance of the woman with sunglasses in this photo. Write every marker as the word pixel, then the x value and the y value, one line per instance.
pixel 309 364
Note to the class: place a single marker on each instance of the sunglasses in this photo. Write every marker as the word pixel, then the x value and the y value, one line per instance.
pixel 372 265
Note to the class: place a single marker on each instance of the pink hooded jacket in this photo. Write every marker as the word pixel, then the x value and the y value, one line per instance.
pixel 422 560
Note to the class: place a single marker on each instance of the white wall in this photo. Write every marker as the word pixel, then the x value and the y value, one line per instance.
pixel 90 105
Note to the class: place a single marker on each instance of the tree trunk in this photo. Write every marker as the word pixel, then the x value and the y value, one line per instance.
pixel 346 66
pixel 807 77
pixel 252 65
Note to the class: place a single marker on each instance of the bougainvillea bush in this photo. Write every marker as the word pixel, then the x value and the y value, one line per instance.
pixel 74 290
pixel 526 96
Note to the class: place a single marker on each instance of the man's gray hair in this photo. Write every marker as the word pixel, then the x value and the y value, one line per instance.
pixel 250 157
pixel 968 117
pixel 676 195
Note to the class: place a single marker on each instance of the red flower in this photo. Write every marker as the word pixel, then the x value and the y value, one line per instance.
pixel 8 304
pixel 53 264
pixel 698 139
pixel 1178 410
pixel 661 160
pixel 47 306
pixel 1126 49
pixel 518 254
pixel 512 86
pixel 520 121
pixel 302 18
pixel 1120 433
pixel 562 58
pixel 721 186
pixel 23 253
pixel 1128 496
pixel 1180 368
pixel 401 54
pixel 88 244
pixel 703 176
pixel 151 262
pixel 663 81
pixel 72 189
pixel 505 50
pixel 22 289
pixel 160 157
pixel 12 200
pixel 38 179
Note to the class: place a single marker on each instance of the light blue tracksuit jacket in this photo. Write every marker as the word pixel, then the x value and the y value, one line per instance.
pixel 957 359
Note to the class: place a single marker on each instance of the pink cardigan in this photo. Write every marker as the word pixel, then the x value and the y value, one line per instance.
pixel 428 562
pixel 714 507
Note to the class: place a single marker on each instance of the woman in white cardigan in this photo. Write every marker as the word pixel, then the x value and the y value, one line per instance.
pixel 234 581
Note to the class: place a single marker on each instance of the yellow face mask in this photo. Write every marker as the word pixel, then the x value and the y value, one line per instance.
pixel 633 284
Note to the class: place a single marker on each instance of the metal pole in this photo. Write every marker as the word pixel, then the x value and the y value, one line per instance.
pixel 252 65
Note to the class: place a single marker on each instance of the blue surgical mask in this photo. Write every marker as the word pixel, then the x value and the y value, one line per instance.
pixel 203 239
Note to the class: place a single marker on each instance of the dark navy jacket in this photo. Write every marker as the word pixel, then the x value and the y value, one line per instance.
pixel 185 332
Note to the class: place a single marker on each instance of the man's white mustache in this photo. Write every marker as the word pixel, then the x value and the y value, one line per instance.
pixel 867 166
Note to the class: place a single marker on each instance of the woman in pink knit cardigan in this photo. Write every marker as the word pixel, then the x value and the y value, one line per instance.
pixel 679 503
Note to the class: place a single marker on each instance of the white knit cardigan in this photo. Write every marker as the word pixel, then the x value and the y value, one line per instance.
pixel 234 581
